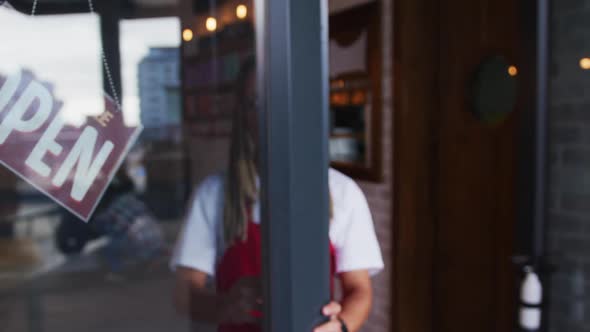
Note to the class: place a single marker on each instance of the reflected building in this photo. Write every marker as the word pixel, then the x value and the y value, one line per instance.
pixel 160 105
pixel 159 94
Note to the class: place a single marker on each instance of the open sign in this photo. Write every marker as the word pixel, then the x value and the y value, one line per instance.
pixel 71 165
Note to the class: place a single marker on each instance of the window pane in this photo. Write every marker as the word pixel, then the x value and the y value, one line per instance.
pixel 221 235
pixel 177 229
pixel 57 272
pixel 191 171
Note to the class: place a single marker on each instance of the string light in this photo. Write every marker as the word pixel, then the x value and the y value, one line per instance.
pixel 241 11
pixel 211 24
pixel 187 35
pixel 585 63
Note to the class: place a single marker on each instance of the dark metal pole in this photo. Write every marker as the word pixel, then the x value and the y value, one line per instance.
pixel 533 157
pixel 110 12
pixel 541 126
pixel 534 137
pixel 292 45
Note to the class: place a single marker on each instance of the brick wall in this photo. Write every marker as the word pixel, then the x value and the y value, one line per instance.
pixel 379 195
pixel 569 217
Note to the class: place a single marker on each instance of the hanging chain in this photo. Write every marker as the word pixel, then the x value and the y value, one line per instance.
pixel 102 55
pixel 34 8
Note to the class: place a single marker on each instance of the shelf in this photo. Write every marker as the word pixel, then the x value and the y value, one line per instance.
pixel 345 108
pixel 210 89
pixel 359 136
pixel 244 46
pixel 196 120
pixel 355 96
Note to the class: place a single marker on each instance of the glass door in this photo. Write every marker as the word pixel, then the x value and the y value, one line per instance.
pixel 255 120
pixel 222 184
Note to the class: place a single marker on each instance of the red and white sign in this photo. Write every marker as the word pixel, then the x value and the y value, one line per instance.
pixel 71 165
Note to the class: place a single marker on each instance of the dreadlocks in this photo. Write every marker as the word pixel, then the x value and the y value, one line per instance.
pixel 241 190
pixel 240 186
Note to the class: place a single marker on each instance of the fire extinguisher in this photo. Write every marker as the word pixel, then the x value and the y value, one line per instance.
pixel 531 296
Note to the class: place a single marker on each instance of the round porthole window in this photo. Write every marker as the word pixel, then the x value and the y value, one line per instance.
pixel 494 90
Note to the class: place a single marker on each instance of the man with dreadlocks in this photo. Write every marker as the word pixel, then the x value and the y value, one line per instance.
pixel 221 239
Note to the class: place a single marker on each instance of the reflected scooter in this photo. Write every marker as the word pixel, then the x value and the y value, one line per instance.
pixel 72 234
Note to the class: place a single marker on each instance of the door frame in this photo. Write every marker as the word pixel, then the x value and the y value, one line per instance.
pixel 292 54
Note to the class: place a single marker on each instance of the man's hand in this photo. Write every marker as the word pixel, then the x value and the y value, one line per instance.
pixel 331 310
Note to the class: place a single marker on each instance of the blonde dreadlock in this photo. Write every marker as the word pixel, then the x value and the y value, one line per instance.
pixel 240 186
pixel 241 190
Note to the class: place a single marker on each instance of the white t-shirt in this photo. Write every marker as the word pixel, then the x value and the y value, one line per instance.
pixel 200 244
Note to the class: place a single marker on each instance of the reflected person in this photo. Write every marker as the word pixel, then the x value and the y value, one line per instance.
pixel 221 238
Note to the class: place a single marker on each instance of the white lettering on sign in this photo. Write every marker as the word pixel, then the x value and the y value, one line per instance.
pixel 14 119
pixel 9 89
pixel 87 169
pixel 46 144
pixel 72 165
pixel 79 157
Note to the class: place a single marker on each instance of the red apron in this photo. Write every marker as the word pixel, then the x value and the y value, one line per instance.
pixel 243 259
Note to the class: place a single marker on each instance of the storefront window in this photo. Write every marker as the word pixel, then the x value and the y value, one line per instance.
pixel 41 48
pixel 150 58
pixel 57 271
pixel 197 105
pixel 161 104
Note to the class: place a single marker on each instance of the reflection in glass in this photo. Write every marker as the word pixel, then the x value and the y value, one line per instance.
pixel 218 249
pixel 494 90
pixel 55 270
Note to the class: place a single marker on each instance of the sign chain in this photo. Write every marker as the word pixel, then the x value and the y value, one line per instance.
pixel 102 55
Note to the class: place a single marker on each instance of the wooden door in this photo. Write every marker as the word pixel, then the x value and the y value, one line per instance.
pixel 454 215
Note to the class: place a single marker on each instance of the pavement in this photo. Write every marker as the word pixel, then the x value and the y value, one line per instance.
pixel 92 301
pixel 43 291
